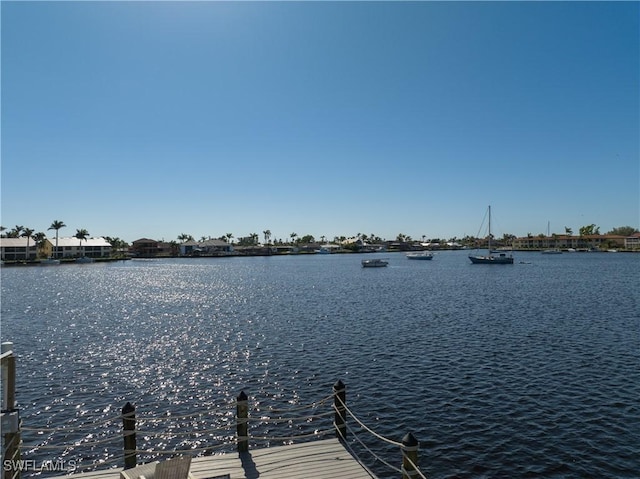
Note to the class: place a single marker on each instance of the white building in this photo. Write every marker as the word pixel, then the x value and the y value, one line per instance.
pixel 632 242
pixel 15 249
pixel 73 247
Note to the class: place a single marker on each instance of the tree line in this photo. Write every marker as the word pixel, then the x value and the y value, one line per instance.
pixel 253 239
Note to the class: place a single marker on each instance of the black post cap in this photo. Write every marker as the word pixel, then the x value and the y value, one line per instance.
pixel 409 440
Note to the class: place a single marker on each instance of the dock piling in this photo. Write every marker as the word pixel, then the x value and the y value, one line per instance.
pixel 242 418
pixel 409 456
pixel 339 405
pixel 10 415
pixel 129 434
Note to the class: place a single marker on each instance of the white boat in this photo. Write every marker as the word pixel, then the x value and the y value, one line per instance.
pixel 502 258
pixel 550 250
pixel 421 255
pixel 374 263
pixel 49 262
pixel 84 259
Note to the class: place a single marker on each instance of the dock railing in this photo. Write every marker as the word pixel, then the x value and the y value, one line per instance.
pixel 10 415
pixel 97 439
pixel 409 445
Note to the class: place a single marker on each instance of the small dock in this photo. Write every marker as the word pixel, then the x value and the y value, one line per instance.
pixel 320 454
pixel 319 459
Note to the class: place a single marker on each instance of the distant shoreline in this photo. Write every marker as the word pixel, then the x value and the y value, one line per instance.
pixel 64 261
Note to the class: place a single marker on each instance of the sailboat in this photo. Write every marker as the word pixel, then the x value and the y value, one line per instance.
pixel 502 258
pixel 554 250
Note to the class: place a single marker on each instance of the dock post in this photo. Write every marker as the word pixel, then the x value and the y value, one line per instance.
pixel 129 433
pixel 10 415
pixel 409 456
pixel 242 418
pixel 339 406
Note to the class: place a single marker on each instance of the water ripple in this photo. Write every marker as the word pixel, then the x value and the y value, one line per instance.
pixel 530 371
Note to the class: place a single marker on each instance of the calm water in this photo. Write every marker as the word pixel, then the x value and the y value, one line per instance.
pixel 530 370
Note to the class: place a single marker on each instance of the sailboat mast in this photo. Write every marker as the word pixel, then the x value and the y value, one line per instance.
pixel 489 229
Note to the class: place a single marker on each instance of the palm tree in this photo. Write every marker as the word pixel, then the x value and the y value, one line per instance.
pixel 175 249
pixel 27 232
pixel 267 236
pixel 185 237
pixel 117 245
pixel 229 236
pixel 56 225
pixel 15 232
pixel 39 239
pixel 293 236
pixel 82 236
pixel 2 228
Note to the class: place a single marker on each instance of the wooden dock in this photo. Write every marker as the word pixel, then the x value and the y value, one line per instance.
pixel 320 459
pixel 317 459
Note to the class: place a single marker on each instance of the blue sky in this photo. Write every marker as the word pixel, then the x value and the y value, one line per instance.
pixel 152 119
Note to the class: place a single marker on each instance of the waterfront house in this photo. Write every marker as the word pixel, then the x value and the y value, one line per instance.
pixel 15 249
pixel 207 247
pixel 73 248
pixel 144 247
pixel 584 242
pixel 352 242
pixel 150 248
pixel 632 242
pixel 359 245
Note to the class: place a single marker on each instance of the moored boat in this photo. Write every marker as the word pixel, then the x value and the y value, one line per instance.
pixel 555 249
pixel 421 255
pixel 374 263
pixel 49 262
pixel 502 258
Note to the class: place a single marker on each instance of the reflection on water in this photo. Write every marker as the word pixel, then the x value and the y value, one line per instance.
pixel 506 371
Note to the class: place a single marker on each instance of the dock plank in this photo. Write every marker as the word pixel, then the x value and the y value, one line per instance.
pixel 321 459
